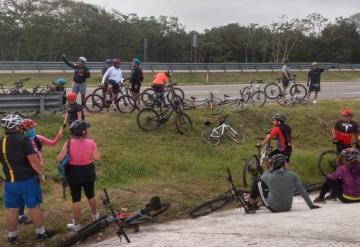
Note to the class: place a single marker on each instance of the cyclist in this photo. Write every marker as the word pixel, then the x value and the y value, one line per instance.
pixel 314 80
pixel 136 79
pixel 60 87
pixel 276 187
pixel 23 169
pixel 113 77
pixel 81 73
pixel 344 183
pixel 344 130
pixel 80 173
pixel 74 110
pixel 285 76
pixel 159 83
pixel 282 133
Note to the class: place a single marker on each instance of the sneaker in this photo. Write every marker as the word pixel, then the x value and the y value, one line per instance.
pixel 319 200
pixel 12 240
pixel 24 220
pixel 73 227
pixel 47 234
pixel 330 198
pixel 95 217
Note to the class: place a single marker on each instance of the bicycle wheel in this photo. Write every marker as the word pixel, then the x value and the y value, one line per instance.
pixel 238 106
pixel 211 205
pixel 146 99
pixel 258 98
pixel 86 232
pixel 235 134
pixel 94 103
pixel 272 90
pixel 183 123
pixel 246 92
pixel 299 90
pixel 285 100
pixel 99 91
pixel 211 136
pixel 327 162
pixel 148 119
pixel 250 171
pixel 125 104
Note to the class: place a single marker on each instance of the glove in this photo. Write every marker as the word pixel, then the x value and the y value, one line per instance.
pixel 314 206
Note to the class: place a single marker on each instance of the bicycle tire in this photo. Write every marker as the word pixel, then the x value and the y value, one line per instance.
pixel 94 103
pixel 152 119
pixel 236 135
pixel 99 91
pixel 250 170
pixel 272 90
pixel 238 106
pixel 125 104
pixel 258 98
pixel 246 92
pixel 86 232
pixel 183 123
pixel 146 99
pixel 211 205
pixel 298 90
pixel 284 101
pixel 327 162
pixel 208 139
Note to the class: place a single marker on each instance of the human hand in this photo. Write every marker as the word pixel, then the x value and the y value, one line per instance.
pixel 314 206
pixel 258 145
pixel 42 178
pixel 63 56
pixel 62 129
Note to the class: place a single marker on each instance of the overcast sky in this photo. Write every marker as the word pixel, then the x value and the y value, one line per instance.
pixel 200 14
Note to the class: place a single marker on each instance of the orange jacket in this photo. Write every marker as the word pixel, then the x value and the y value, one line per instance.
pixel 160 79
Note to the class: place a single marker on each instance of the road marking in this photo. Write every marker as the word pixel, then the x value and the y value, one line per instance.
pixel 352 93
pixel 353 86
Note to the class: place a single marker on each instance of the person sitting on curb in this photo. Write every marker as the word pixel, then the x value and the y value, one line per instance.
pixel 344 183
pixel 276 187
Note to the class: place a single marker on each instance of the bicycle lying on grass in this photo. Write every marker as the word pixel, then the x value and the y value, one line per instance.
pixel 133 220
pixel 220 201
pixel 17 89
pixel 214 135
pixel 289 100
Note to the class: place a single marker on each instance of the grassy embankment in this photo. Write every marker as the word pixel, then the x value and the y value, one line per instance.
pixel 184 78
pixel 136 165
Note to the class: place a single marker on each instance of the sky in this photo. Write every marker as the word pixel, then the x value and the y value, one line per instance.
pixel 201 14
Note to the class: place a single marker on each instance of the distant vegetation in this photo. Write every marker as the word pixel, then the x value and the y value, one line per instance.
pixel 45 29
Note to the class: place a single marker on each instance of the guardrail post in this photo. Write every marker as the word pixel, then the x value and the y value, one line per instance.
pixel 42 104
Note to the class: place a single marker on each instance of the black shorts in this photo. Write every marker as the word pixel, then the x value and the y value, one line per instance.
pixel 114 85
pixel 135 87
pixel 79 177
pixel 285 82
pixel 315 88
pixel 287 153
pixel 75 190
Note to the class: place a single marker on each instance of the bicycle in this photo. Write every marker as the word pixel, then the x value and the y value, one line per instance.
pixel 329 160
pixel 273 89
pixel 148 119
pixel 289 100
pixel 17 89
pixel 254 165
pixel 122 220
pixel 209 106
pixel 253 93
pixel 213 136
pixel 222 200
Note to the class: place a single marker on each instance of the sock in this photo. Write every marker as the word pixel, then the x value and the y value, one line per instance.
pixel 40 230
pixel 20 216
pixel 12 234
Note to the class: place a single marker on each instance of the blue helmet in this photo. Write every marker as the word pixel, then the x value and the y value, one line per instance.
pixel 108 61
pixel 61 81
pixel 137 61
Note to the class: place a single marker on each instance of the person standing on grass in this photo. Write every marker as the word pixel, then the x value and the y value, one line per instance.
pixel 81 73
pixel 74 110
pixel 23 170
pixel 314 80
pixel 80 173
pixel 137 77
pixel 286 76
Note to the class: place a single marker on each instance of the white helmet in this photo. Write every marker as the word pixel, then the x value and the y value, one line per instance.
pixel 11 121
pixel 83 59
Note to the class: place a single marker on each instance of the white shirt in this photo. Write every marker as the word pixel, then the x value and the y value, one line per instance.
pixel 114 74
pixel 286 71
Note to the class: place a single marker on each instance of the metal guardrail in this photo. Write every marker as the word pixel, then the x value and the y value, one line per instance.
pixel 14 66
pixel 31 103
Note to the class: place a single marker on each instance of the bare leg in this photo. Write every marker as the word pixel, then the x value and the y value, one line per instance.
pixel 92 204
pixel 76 212
pixel 12 220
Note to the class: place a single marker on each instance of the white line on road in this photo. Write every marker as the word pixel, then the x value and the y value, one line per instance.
pixel 352 93
pixel 353 86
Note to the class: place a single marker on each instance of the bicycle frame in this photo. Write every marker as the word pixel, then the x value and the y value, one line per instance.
pixel 219 134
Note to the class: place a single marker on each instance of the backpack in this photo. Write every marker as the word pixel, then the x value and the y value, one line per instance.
pixel 63 164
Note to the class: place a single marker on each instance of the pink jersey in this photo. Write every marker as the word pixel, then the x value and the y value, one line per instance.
pixel 81 151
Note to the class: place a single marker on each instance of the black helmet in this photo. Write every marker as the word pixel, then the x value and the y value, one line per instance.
pixel 350 154
pixel 77 127
pixel 279 117
pixel 154 203
pixel 278 160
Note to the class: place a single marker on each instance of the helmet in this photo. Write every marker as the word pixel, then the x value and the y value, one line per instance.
pixel 77 127
pixel 314 64
pixel 109 61
pixel 137 61
pixel 11 121
pixel 29 124
pixel 350 153
pixel 71 96
pixel 279 117
pixel 278 160
pixel 61 81
pixel 116 61
pixel 347 112
pixel 83 59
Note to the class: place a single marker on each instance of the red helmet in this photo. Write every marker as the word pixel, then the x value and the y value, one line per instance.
pixel 71 96
pixel 29 124
pixel 347 112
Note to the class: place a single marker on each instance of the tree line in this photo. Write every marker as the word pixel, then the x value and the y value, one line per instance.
pixel 43 30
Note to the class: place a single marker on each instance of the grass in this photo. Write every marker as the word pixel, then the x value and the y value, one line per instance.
pixel 182 78
pixel 137 165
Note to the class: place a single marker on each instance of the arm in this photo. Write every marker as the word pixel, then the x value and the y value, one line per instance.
pixel 35 163
pixel 107 73
pixel 337 174
pixel 270 136
pixel 62 153
pixel 266 140
pixel 79 114
pixel 300 187
pixel 86 72
pixel 68 63
pixel 49 142
pixel 65 118
pixel 96 153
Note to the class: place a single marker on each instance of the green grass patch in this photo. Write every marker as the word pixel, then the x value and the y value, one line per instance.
pixel 136 165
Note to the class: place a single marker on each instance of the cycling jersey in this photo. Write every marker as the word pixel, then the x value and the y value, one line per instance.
pixel 113 74
pixel 283 137
pixel 72 112
pixel 161 79
pixel 345 131
pixel 137 76
pixel 81 73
